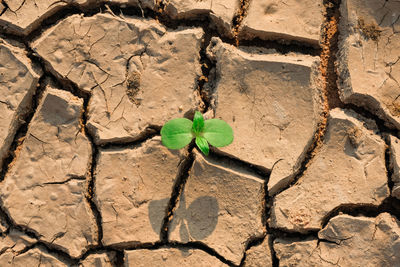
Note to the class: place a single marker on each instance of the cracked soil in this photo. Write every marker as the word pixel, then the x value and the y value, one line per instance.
pixel 310 88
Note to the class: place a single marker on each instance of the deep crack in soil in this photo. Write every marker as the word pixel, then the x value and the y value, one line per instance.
pixel 180 181
pixel 91 175
pixel 238 18
pixel 390 205
pixel 329 50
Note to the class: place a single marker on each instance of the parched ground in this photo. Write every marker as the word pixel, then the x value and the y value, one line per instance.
pixel 311 89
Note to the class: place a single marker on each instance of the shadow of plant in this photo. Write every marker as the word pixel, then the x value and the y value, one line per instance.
pixel 195 222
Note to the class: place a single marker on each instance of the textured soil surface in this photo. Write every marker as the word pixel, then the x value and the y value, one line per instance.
pixel 311 89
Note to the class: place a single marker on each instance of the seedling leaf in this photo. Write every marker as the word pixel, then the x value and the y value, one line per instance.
pixel 198 123
pixel 177 133
pixel 217 132
pixel 202 143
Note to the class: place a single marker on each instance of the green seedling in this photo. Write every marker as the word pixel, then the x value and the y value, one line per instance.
pixel 177 133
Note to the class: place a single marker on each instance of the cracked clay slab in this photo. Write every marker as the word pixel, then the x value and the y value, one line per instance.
pixel 348 169
pixel 139 73
pixel 166 257
pixel 295 252
pixel 272 103
pixel 44 191
pixel 369 56
pixel 23 16
pixel 346 241
pixel 32 257
pixel 289 20
pixel 132 190
pixel 18 82
pixel 220 206
pixel 13 243
pixel 17 250
pixel 221 12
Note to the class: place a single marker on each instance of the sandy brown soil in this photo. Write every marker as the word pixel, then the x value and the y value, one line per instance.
pixel 310 88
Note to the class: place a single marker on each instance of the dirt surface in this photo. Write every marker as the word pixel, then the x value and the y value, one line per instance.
pixel 286 20
pixel 310 88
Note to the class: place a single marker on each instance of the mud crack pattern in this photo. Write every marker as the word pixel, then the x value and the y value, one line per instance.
pixel 310 88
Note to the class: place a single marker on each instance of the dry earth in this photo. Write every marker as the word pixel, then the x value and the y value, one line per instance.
pixel 311 89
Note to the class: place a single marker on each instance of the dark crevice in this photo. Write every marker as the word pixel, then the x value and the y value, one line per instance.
pixel 388 163
pixel 282 48
pixel 329 50
pixel 20 6
pixel 161 5
pixel 190 245
pixel 71 178
pixel 59 254
pixel 120 248
pixel 206 79
pixel 374 111
pixel 284 233
pixel 203 247
pixel 133 245
pixel 66 258
pixel 234 162
pixel 6 7
pixel 119 259
pixel 183 174
pixel 275 260
pixel 241 13
pixel 383 126
pixel 147 134
pixel 390 205
pixel 91 175
pixel 266 204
